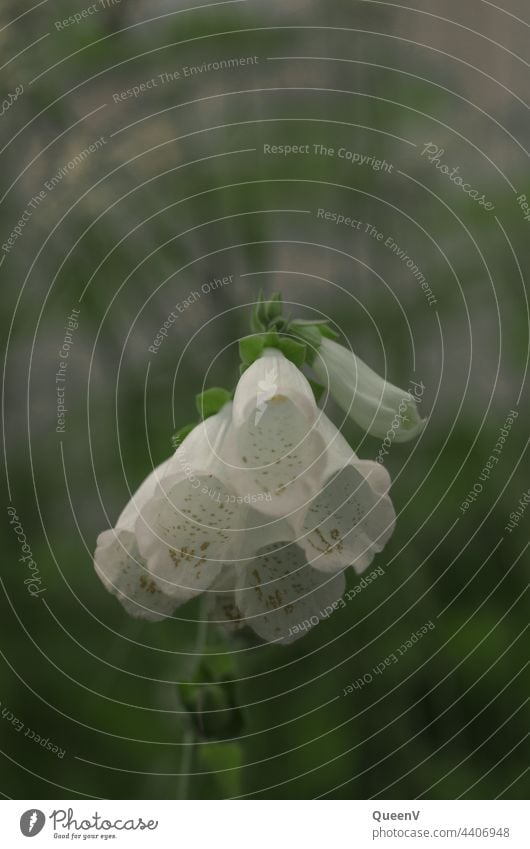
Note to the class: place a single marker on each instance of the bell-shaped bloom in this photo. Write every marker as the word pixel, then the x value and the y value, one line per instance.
pixel 372 402
pixel 351 517
pixel 120 565
pixel 261 508
pixel 196 522
pixel 281 454
pixel 277 593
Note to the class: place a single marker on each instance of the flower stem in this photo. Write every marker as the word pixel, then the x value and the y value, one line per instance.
pixel 190 738
pixel 186 763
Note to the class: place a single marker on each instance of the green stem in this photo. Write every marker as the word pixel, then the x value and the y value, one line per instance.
pixel 190 738
pixel 186 763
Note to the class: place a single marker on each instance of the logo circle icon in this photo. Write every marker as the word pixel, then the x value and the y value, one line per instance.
pixel 32 822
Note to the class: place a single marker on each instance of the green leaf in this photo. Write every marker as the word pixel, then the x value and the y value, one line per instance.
pixel 293 350
pixel 251 348
pixel 211 401
pixel 179 437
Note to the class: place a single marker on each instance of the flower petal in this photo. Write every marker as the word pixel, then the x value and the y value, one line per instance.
pixel 261 532
pixel 187 534
pixel 281 453
pixel 281 596
pixel 223 607
pixel 348 522
pixel 372 402
pixel 208 448
pixel 123 572
pixel 340 454
pixel 270 376
pixel 145 491
pixel 121 568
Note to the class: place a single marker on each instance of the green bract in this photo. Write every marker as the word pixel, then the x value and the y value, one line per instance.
pixel 297 339
pixel 211 401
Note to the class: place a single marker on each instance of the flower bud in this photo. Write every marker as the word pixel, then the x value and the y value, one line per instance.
pixel 376 405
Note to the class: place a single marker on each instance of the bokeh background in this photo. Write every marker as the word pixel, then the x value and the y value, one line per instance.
pixel 180 192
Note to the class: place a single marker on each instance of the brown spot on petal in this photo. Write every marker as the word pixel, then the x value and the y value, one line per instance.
pixel 231 611
pixel 148 585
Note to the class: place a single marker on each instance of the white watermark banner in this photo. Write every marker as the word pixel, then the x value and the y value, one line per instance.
pixel 211 823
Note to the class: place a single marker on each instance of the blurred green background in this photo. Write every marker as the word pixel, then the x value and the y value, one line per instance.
pixel 180 192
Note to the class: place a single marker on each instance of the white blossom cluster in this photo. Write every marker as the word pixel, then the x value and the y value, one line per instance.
pixel 263 505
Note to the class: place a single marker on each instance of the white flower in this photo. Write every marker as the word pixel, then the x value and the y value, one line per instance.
pixel 199 524
pixel 185 529
pixel 374 404
pixel 274 414
pixel 196 522
pixel 277 593
pixel 351 518
pixel 120 566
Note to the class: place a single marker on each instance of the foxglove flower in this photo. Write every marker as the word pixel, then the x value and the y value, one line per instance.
pixel 264 504
pixel 351 517
pixel 274 415
pixel 372 402
pixel 196 523
pixel 277 593
pixel 120 566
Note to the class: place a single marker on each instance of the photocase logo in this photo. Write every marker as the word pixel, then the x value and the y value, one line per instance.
pixel 32 822
pixel 266 390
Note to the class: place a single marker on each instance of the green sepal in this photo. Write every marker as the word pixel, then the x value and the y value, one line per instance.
pixel 271 329
pixel 274 307
pixel 211 401
pixel 261 313
pixel 322 326
pixel 257 324
pixel 306 322
pixel 271 339
pixel 178 438
pixel 251 348
pixel 328 332
pixel 310 335
pixel 295 351
pixel 267 314
pixel 280 323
